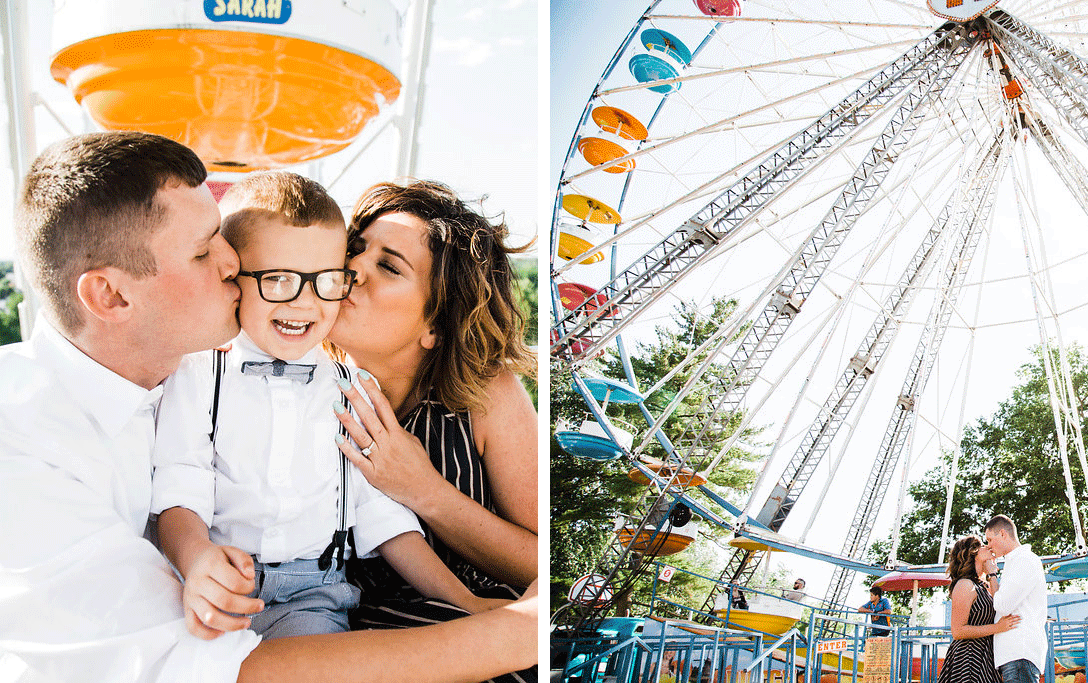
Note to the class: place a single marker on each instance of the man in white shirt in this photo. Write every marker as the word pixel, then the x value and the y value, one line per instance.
pixel 1019 654
pixel 120 236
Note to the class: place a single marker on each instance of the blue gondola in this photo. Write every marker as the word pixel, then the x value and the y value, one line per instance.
pixel 657 40
pixel 647 68
pixel 1076 568
pixel 614 391
pixel 591 442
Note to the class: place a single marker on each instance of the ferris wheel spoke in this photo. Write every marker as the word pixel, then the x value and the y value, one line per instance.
pixel 719 125
pixel 1034 256
pixel 775 67
pixel 1065 392
pixel 1045 14
pixel 1071 171
pixel 706 189
pixel 1061 75
pixel 700 380
pixel 718 219
pixel 973 212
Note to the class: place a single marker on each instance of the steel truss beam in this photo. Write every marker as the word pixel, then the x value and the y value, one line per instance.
pixel 864 362
pixel 965 217
pixel 1072 172
pixel 1059 75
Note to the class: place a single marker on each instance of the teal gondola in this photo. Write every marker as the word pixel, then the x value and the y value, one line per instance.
pixel 612 391
pixel 648 68
pixel 656 40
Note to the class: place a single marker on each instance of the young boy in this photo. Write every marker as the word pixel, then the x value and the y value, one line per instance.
pixel 245 462
pixel 878 608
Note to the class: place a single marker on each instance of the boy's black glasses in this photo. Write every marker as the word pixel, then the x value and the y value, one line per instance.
pixel 281 285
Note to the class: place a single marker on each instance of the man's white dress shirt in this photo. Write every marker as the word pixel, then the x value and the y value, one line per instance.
pixel 1022 591
pixel 271 484
pixel 83 596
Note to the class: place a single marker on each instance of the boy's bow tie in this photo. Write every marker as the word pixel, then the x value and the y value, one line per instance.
pixel 279 368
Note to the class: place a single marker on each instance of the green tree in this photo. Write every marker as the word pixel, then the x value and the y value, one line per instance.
pixel 526 295
pixel 526 290
pixel 587 496
pixel 1011 465
pixel 10 297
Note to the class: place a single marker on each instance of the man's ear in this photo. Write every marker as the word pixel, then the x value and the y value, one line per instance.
pixel 99 291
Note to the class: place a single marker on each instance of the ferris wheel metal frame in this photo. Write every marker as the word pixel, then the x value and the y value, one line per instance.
pixel 1034 88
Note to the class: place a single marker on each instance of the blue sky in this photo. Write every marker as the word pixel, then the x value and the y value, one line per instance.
pixel 584 36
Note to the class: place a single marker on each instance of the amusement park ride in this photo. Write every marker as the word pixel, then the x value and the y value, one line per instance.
pixel 829 165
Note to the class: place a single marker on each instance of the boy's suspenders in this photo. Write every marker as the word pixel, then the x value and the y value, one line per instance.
pixel 341 536
pixel 219 360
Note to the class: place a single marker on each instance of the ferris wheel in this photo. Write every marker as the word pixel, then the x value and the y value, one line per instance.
pixel 891 190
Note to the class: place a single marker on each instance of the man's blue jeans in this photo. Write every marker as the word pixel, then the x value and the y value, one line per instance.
pixel 1018 671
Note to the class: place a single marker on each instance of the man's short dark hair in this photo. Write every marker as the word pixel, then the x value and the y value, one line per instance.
pixel 1002 523
pixel 89 202
pixel 876 590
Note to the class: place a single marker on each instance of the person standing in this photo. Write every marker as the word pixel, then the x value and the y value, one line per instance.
pixel 970 658
pixel 1020 654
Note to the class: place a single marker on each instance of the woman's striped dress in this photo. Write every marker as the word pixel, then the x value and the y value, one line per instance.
pixel 387 599
pixel 971 660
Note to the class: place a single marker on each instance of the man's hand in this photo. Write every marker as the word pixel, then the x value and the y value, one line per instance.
pixel 217 589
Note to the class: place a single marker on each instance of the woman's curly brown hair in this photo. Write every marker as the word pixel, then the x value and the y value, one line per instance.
pixel 961 560
pixel 479 329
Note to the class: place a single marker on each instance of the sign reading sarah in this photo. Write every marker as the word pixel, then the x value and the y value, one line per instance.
pixel 255 11
pixel 960 10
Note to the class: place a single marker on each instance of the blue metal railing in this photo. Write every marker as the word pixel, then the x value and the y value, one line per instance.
pixel 676 651
pixel 1068 643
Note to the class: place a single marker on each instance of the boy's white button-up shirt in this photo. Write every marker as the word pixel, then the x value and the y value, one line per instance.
pixel 271 483
pixel 83 596
pixel 1022 591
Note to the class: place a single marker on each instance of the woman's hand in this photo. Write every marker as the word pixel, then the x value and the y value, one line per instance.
pixel 390 458
pixel 501 543
pixel 1007 623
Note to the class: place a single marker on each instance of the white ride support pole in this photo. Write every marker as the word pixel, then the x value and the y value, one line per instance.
pixel 417 54
pixel 20 135
pixel 913 602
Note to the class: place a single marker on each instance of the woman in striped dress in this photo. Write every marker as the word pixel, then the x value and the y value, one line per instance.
pixel 433 318
pixel 970 658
